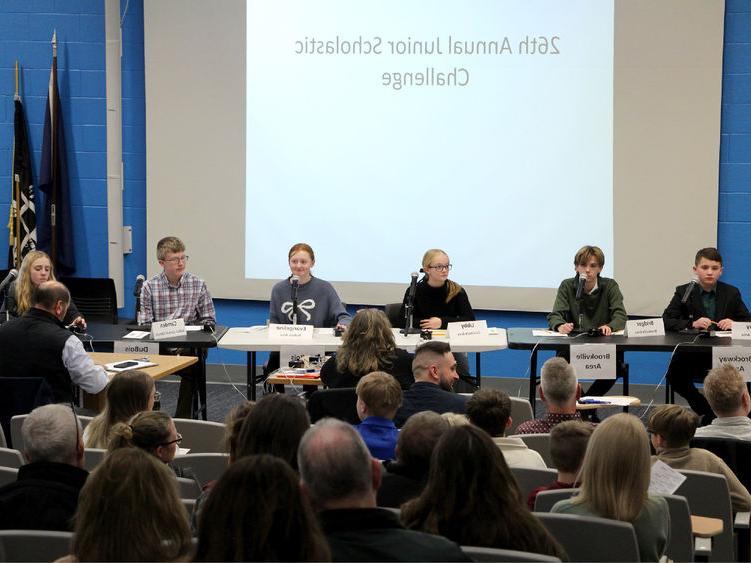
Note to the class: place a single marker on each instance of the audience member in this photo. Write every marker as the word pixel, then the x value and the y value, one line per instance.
pixel 378 398
pixel 38 345
pixel 274 426
pixel 568 442
pixel 341 479
pixel 45 495
pixel 472 498
pixel 559 390
pixel 256 512
pixel 672 427
pixel 614 483
pixel 130 510
pixel 405 477
pixel 434 369
pixel 367 345
pixel 490 409
pixel 127 394
pixel 727 394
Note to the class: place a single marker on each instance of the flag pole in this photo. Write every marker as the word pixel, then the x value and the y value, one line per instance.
pixel 17 238
pixel 17 96
pixel 53 139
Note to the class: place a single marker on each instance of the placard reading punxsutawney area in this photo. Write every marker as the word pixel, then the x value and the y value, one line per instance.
pixel 593 361
pixel 737 356
pixel 290 333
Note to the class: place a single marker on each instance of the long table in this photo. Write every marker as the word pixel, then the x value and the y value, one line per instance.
pixel 102 336
pixel 523 339
pixel 256 339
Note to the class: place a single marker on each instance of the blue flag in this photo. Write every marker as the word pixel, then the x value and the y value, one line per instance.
pixel 55 225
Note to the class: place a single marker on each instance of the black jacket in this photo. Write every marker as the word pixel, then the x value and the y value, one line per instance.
pixel 400 367
pixel 678 316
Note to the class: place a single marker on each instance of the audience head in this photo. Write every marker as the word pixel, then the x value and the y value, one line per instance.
pixel 51 296
pixel 726 391
pixel 52 433
pixel 558 385
pixel 435 364
pixel 615 472
pixel 367 344
pixel 257 512
pixel 130 510
pixel 709 253
pixel 127 394
pixel 274 426
pixel 588 253
pixel 472 498
pixel 336 468
pixel 417 440
pixel 454 418
pixel 35 269
pixel 233 423
pixel 490 409
pixel 568 442
pixel 672 426
pixel 378 394
pixel 152 431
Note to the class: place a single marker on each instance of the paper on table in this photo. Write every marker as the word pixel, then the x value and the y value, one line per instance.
pixel 182 451
pixel 540 332
pixel 137 334
pixel 664 479
pixel 193 328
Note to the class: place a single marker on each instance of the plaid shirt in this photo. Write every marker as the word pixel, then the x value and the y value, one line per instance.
pixel 544 425
pixel 188 300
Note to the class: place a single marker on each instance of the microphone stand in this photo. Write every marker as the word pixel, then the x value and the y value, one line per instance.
pixel 409 316
pixel 294 303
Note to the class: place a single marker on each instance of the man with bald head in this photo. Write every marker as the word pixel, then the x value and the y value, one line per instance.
pixel 342 479
pixel 37 344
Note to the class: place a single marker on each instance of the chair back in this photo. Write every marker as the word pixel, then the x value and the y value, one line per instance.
pixel 521 411
pixel 84 420
pixel 540 443
pixel 392 311
pixel 545 500
pixel 529 478
pixel 3 441
pixel 95 298
pixel 588 538
pixel 205 467
pixel 735 453
pixel 11 458
pixel 336 403
pixel 708 495
pixel 8 475
pixel 189 489
pixel 189 504
pixel 93 457
pixel 491 554
pixel 201 436
pixel 20 396
pixel 34 545
pixel 681 544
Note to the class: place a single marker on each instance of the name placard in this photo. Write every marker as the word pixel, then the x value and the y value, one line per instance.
pixel 465 332
pixel 593 361
pixel 290 333
pixel 741 331
pixel 168 329
pixel 130 347
pixel 645 327
pixel 737 356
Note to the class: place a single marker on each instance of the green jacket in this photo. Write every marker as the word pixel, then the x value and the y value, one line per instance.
pixel 603 307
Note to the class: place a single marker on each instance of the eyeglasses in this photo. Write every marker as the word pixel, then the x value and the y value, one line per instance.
pixel 177 441
pixel 177 259
pixel 440 267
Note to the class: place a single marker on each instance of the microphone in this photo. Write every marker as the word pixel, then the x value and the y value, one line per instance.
pixel 689 289
pixel 139 283
pixel 580 287
pixel 13 274
pixel 412 287
pixel 295 281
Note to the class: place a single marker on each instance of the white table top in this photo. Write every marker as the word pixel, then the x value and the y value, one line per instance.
pixel 256 339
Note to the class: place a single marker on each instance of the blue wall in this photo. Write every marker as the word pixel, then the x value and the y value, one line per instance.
pixel 26 28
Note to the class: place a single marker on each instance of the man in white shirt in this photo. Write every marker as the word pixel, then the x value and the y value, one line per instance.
pixel 728 397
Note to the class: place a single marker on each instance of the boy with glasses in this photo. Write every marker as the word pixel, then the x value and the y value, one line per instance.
pixel 175 293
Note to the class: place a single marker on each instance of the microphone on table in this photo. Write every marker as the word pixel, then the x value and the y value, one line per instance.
pixel 580 287
pixel 13 274
pixel 689 288
pixel 412 286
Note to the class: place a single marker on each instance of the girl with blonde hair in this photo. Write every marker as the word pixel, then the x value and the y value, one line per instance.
pixel 367 346
pixel 152 431
pixel 127 394
pixel 35 269
pixel 615 478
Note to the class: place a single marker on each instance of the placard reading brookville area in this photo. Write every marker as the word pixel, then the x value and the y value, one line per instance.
pixel 737 356
pixel 466 332
pixel 290 333
pixel 741 331
pixel 645 327
pixel 168 329
pixel 130 347
pixel 593 361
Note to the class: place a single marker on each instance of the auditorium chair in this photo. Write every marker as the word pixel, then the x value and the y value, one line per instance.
pixel 205 467
pixel 521 411
pixel 491 554
pixel 545 500
pixel 34 545
pixel 201 436
pixel 11 458
pixel 529 478
pixel 95 298
pixel 540 443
